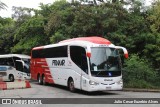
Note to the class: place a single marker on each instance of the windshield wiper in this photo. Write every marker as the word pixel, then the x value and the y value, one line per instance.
pixel 99 72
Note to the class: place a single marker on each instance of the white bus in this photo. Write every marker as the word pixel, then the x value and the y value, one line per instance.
pixel 14 66
pixel 86 63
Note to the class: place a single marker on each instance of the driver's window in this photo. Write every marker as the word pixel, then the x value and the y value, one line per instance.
pixel 78 56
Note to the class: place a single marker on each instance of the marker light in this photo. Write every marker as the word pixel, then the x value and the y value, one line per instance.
pixel 126 55
pixel 88 54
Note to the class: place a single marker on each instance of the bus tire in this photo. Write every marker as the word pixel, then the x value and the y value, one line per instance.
pixel 40 80
pixel 43 80
pixel 11 78
pixel 71 85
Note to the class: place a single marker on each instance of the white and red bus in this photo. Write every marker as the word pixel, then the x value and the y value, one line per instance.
pixel 14 66
pixel 85 63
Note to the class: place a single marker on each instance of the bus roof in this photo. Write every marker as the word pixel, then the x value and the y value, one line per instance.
pixel 96 40
pixel 14 55
pixel 78 41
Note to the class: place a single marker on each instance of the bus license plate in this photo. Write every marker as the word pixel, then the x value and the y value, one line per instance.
pixel 108 87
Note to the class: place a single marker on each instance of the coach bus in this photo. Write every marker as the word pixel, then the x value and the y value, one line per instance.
pixel 85 63
pixel 14 66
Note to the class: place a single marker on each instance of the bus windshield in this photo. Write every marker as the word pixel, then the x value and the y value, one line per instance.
pixel 105 62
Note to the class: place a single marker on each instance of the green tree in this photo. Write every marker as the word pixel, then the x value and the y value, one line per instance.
pixel 21 14
pixel 30 34
pixel 138 73
pixel 153 48
pixel 6 34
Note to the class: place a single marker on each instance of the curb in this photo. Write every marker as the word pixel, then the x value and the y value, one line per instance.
pixel 141 90
pixel 14 85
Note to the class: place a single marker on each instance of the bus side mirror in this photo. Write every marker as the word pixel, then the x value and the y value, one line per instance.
pixel 124 50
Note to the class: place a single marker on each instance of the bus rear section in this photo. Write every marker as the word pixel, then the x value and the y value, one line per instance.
pixel 46 61
pixel 40 71
pixel 88 63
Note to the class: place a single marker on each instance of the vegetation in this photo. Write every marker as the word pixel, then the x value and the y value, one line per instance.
pixel 129 24
pixel 138 73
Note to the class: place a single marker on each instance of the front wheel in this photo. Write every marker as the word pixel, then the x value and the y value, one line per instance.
pixel 11 78
pixel 71 85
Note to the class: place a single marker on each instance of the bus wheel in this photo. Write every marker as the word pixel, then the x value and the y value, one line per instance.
pixel 71 85
pixel 39 80
pixel 11 78
pixel 43 80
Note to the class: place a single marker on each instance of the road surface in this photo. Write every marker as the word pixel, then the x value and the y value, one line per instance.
pixel 54 91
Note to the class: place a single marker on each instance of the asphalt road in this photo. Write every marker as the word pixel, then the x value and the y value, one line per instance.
pixel 54 91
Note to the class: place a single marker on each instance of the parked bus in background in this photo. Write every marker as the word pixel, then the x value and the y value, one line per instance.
pixel 85 63
pixel 14 66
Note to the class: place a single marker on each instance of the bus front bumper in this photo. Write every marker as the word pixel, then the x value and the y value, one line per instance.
pixel 104 87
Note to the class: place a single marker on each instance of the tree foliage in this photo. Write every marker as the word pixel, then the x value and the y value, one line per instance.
pixel 30 34
pixel 6 34
pixel 138 73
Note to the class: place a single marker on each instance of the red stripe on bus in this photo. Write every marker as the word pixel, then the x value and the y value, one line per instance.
pixel 40 66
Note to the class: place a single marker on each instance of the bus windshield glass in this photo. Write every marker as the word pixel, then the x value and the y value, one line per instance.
pixel 105 62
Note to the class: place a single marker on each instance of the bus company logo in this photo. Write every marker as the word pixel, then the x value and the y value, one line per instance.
pixel 58 62
pixel 108 79
pixel 109 74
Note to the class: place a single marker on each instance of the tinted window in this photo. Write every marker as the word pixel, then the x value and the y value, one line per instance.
pixel 78 56
pixel 19 66
pixel 50 52
pixel 7 61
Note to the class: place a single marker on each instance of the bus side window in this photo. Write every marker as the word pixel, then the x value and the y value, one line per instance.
pixel 78 56
pixel 14 59
pixel 10 62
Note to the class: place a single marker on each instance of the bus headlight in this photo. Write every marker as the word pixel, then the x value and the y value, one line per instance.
pixel 120 82
pixel 28 74
pixel 93 83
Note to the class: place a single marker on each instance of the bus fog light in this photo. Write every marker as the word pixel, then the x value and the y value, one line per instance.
pixel 93 83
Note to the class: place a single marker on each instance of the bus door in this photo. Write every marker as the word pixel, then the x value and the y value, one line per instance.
pixel 78 56
pixel 19 68
pixel 26 68
pixel 26 72
pixel 23 69
pixel 84 73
